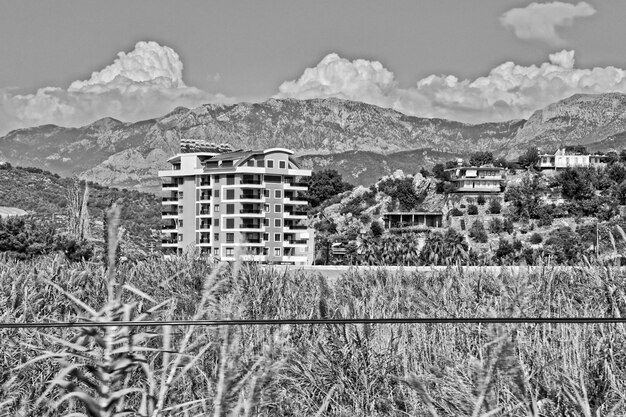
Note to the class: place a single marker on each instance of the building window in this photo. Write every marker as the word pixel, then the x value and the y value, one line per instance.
pixel 266 193
pixel 276 251
pixel 180 209
pixel 230 209
pixel 217 193
pixel 277 222
pixel 230 223
pixel 266 237
pixel 270 163
pixel 180 223
pixel 180 237
pixel 216 237
pixel 266 222
pixel 278 208
pixel 216 179
pixel 266 207
pixel 282 164
pixel 278 194
pixel 260 163
pixel 230 179
pixel 229 251
pixel 230 237
pixel 250 162
pixel 180 195
pixel 276 237
pixel 230 194
pixel 216 222
pixel 216 252
pixel 216 207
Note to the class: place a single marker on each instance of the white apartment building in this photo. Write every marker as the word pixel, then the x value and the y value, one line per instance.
pixel 245 205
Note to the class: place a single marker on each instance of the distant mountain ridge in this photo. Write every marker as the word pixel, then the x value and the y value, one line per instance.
pixel 361 140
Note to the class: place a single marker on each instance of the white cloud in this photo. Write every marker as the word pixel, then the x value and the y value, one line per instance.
pixel 146 82
pixel 541 21
pixel 509 91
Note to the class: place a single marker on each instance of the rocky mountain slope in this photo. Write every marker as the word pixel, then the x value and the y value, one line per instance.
pixel 363 141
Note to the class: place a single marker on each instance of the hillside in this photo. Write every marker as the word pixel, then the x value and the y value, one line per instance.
pixel 42 194
pixel 365 141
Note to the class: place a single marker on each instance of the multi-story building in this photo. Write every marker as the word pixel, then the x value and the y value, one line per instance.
pixel 562 159
pixel 245 205
pixel 483 179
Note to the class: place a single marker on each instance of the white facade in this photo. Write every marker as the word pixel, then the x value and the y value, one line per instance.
pixel 562 160
pixel 245 205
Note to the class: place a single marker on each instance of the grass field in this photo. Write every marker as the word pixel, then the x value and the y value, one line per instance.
pixel 334 370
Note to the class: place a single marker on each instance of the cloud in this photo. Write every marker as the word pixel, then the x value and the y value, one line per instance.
pixel 508 91
pixel 540 21
pixel 146 82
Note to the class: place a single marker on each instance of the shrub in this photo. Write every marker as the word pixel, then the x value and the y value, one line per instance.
pixel 481 200
pixel 472 209
pixel 496 225
pixel 535 238
pixel 376 228
pixel 456 212
pixel 477 232
pixel 507 226
pixel 494 206
pixel 365 218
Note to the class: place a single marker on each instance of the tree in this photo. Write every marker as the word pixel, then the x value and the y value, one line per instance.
pixel 445 249
pixel 376 229
pixel 477 232
pixel 525 198
pixel 530 158
pixel 494 206
pixel 576 183
pixel 564 245
pixel 439 172
pixel 481 158
pixel 480 200
pixel 324 185
pixel 472 209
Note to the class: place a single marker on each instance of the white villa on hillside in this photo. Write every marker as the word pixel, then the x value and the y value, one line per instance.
pixel 483 179
pixel 562 159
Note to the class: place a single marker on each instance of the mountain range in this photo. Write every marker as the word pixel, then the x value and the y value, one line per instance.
pixel 362 141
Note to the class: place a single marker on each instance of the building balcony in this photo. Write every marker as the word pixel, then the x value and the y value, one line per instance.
pixel 295 201
pixel 169 243
pixel 204 197
pixel 251 226
pixel 296 186
pixel 169 214
pixel 169 185
pixel 296 242
pixel 169 200
pixel 296 215
pixel 204 226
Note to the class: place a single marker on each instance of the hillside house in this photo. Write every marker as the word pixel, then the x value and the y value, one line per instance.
pixel 415 220
pixel 562 159
pixel 483 179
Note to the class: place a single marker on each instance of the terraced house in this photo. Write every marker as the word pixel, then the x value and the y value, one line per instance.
pixel 244 205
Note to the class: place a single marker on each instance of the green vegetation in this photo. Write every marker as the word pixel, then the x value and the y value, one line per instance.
pixel 323 185
pixel 45 195
pixel 332 370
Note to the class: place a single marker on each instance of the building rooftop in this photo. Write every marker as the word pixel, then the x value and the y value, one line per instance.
pixel 11 211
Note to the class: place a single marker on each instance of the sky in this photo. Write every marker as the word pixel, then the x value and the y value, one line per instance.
pixel 71 62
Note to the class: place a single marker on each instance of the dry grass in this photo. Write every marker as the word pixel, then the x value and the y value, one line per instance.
pixel 331 370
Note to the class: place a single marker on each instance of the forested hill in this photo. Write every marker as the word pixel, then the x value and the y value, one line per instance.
pixel 43 194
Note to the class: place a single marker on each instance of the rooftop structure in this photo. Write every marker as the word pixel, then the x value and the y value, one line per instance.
pixel 245 205
pixel 11 212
